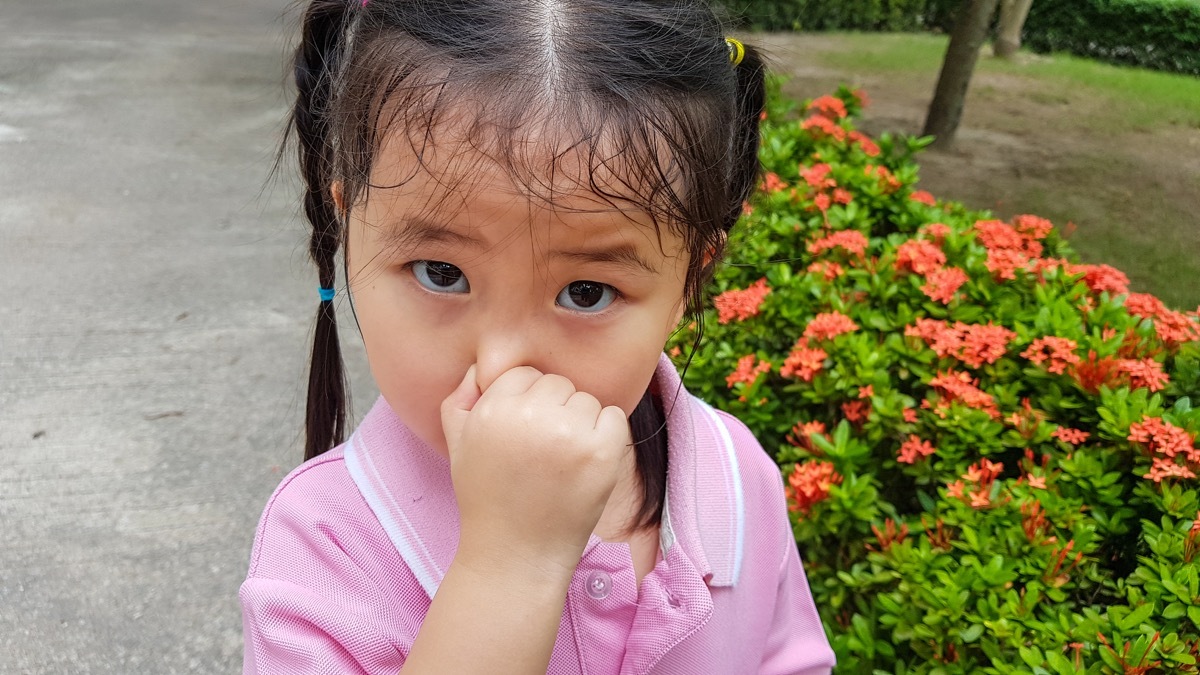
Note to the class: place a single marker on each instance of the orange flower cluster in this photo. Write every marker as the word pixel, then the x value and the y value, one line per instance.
pixel 913 449
pixel 920 257
pixel 1173 328
pixel 817 178
pixel 1059 351
pixel 954 387
pixel 869 147
pixel 851 241
pixel 1097 372
pixel 1103 278
pixel 772 182
pixel 803 362
pixel 824 122
pixel 1026 421
pixel 1168 444
pixel 981 475
pixel 827 269
pixel 887 179
pixel 1012 247
pixel 1003 263
pixel 889 535
pixel 828 325
pixel 741 304
pixel 856 411
pixel 923 197
pixel 829 106
pixel 1033 227
pixel 927 259
pixel 1072 436
pixel 800 433
pixel 1098 278
pixel 936 231
pixel 809 484
pixel 944 283
pixel 1146 373
pixel 973 344
pixel 1035 524
pixel 820 126
pixel 996 234
pixel 747 371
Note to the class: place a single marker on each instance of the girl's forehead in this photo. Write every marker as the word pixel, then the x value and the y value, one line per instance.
pixel 447 173
pixel 453 191
pixel 553 154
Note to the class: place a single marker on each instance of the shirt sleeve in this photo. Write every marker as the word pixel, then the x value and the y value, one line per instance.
pixel 290 629
pixel 326 591
pixel 796 644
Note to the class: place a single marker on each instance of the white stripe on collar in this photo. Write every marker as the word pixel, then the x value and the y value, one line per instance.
pixel 735 488
pixel 399 529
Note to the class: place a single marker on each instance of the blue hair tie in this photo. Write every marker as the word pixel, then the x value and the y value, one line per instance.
pixel 326 293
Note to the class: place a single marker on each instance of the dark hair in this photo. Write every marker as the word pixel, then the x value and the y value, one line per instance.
pixel 644 90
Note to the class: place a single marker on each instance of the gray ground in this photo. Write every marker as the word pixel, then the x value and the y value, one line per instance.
pixel 155 308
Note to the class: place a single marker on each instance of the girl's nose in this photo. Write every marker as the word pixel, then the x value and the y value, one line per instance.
pixel 501 348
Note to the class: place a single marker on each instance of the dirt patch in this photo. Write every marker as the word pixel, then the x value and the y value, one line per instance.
pixel 1031 146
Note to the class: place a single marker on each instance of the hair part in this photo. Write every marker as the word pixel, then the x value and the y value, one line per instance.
pixel 636 101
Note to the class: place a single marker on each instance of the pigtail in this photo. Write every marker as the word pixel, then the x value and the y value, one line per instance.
pixel 751 101
pixel 315 62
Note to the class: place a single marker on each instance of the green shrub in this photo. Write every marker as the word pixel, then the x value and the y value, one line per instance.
pixel 990 449
pixel 1158 34
pixel 820 15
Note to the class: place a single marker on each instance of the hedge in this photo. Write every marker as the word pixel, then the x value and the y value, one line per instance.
pixel 821 15
pixel 1158 34
pixel 990 448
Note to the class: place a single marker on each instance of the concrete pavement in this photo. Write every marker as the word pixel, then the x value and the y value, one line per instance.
pixel 155 310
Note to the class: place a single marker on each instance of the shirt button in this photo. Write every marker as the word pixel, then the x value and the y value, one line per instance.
pixel 599 584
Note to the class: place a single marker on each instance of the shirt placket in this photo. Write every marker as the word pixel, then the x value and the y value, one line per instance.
pixel 674 603
pixel 603 600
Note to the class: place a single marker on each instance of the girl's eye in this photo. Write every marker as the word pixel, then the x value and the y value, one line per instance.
pixel 587 296
pixel 440 277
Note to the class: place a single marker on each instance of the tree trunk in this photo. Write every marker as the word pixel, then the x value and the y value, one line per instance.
pixel 1012 19
pixel 970 30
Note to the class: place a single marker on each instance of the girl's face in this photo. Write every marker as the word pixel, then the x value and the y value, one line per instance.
pixel 458 265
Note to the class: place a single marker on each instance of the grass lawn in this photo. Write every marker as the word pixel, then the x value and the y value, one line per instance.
pixel 1114 151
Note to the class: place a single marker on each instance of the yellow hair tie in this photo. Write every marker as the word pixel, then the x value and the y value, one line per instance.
pixel 737 50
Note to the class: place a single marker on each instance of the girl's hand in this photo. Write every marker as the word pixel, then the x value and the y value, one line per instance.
pixel 533 463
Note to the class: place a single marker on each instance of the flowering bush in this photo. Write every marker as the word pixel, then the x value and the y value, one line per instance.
pixel 990 449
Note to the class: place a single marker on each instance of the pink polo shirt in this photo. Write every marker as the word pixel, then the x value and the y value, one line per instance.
pixel 354 543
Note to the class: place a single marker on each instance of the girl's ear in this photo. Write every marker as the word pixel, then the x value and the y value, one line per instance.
pixel 335 189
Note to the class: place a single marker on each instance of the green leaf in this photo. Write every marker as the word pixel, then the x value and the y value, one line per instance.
pixel 1032 656
pixel 1135 618
pixel 1193 613
pixel 971 633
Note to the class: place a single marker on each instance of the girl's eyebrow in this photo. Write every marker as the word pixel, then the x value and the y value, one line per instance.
pixel 420 231
pixel 623 255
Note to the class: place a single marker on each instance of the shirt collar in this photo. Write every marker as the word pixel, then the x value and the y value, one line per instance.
pixel 407 486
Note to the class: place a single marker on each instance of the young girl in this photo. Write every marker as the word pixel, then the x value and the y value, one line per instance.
pixel 528 196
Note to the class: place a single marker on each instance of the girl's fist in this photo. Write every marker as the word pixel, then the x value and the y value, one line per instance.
pixel 533 463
